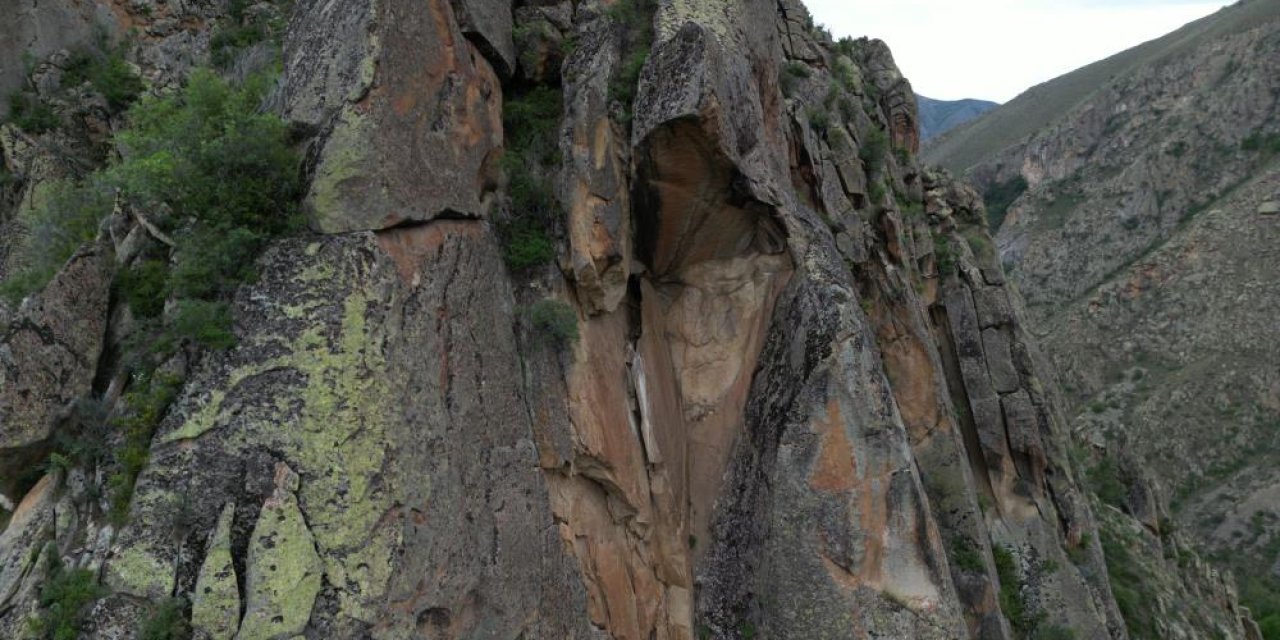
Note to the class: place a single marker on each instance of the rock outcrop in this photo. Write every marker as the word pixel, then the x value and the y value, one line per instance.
pixel 784 391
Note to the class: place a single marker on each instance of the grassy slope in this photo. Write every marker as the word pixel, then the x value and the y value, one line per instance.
pixel 980 140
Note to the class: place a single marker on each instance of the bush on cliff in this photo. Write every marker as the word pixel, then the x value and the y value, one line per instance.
pixel 530 122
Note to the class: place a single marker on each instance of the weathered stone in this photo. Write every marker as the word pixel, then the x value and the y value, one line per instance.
pixel 995 346
pixel 488 24
pixel 283 570
pixel 992 304
pixel 215 604
pixel 49 353
pixel 22 544
pixel 1269 208
pixel 34 29
pixel 417 124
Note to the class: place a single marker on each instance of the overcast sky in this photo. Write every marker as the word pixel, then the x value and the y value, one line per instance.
pixel 996 49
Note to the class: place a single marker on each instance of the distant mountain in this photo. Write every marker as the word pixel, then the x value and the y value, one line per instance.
pixel 940 116
pixel 1135 204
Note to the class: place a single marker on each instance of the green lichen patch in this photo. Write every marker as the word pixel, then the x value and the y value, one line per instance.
pixel 284 572
pixel 215 605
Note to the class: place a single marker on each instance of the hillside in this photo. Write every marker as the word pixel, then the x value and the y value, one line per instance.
pixel 940 116
pixel 1136 220
pixel 463 320
pixel 1042 105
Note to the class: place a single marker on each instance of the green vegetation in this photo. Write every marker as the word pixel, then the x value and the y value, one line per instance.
pixel 555 318
pixel 240 32
pixel 168 621
pixel 636 19
pixel 30 113
pixel 227 179
pixel 791 76
pixel 819 120
pixel 965 554
pixel 873 149
pixel 69 216
pixel 999 197
pixel 1262 596
pixel 530 121
pixel 1128 585
pixel 217 179
pixel 105 69
pixel 1012 601
pixel 64 599
pixel 1104 480
pixel 980 243
pixel 99 64
pixel 150 394
pixel 1258 142
pixel 945 255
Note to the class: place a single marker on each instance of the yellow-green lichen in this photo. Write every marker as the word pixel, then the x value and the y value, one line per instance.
pixel 215 605
pixel 283 572
pixel 717 16
pixel 346 171
pixel 139 571
pixel 204 420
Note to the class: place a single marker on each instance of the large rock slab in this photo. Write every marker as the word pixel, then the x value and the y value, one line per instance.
pixel 379 369
pixel 48 357
pixel 410 112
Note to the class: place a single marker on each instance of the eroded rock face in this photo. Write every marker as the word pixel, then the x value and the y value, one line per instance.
pixel 49 352
pixel 410 111
pixel 34 29
pixel 410 499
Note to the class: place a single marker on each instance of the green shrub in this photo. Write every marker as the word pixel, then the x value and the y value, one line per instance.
pixel 530 121
pixel 227 177
pixel 965 554
pixel 1258 142
pixel 1053 632
pixel 228 41
pixel 792 74
pixel 819 120
pixel 210 155
pixel 206 323
pixel 31 113
pixel 556 319
pixel 999 197
pixel 525 245
pixel 142 286
pixel 636 19
pixel 106 70
pixel 1104 480
pixel 1128 585
pixel 68 216
pixel 873 149
pixel 65 599
pixel 945 255
pixel 210 263
pixel 1262 596
pixel 168 621
pixel 146 401
pixel 876 193
pixel 1012 601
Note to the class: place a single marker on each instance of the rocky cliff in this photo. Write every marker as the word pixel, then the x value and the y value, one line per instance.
pixel 1141 229
pixel 632 320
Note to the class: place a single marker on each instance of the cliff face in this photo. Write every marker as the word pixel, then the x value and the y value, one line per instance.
pixel 773 384
pixel 1145 249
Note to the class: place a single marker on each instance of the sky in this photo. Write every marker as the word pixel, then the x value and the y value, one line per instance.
pixel 996 49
